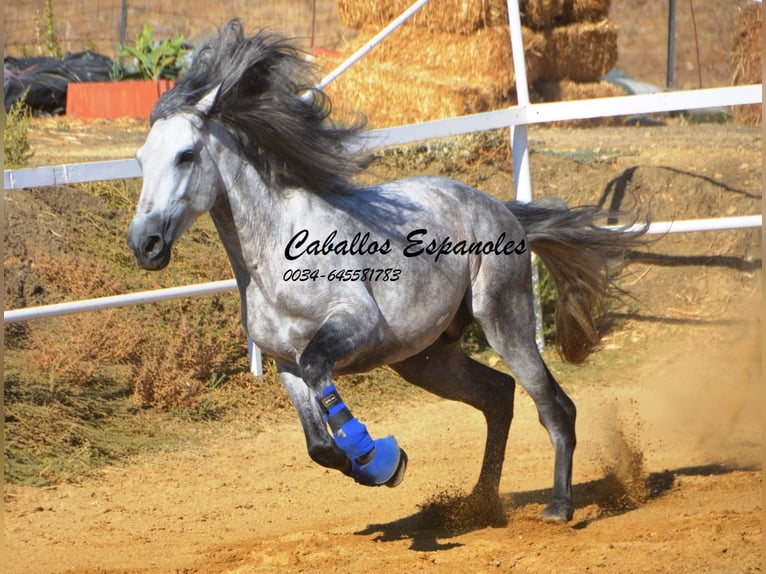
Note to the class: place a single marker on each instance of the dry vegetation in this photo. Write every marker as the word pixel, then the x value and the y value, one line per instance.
pixel 15 140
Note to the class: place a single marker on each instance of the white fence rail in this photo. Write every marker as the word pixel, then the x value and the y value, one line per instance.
pixel 516 117
pixel 507 117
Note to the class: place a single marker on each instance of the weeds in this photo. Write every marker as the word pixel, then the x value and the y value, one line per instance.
pixel 51 39
pixel 16 135
pixel 192 345
pixel 120 194
pixel 548 298
pixel 449 155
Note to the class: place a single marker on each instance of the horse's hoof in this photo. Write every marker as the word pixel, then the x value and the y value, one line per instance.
pixel 401 469
pixel 557 512
pixel 385 464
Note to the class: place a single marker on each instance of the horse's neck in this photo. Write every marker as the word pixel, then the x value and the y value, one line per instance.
pixel 240 259
pixel 246 215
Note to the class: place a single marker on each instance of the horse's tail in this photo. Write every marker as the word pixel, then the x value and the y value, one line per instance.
pixel 580 257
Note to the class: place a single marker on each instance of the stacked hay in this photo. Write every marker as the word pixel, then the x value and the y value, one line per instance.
pixel 454 56
pixel 467 16
pixel 419 74
pixel 546 14
pixel 746 59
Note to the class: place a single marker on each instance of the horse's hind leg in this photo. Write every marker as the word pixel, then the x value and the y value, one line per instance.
pixel 445 370
pixel 507 317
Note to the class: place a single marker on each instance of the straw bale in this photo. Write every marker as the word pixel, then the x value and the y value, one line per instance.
pixel 467 16
pixel 581 52
pixel 746 59
pixel 459 16
pixel 420 75
pixel 586 10
pixel 541 14
pixel 567 91
pixel 391 96
pixel 544 14
pixel 481 59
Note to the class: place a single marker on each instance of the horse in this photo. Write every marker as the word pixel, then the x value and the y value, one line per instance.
pixel 336 277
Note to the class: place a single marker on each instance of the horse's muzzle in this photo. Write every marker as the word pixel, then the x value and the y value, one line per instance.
pixel 149 247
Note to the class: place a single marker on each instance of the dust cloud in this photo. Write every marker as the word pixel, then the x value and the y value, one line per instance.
pixel 698 404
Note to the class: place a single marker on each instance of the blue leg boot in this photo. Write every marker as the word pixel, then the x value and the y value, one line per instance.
pixel 374 462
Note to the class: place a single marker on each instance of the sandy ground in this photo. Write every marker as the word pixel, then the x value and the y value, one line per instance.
pixel 667 479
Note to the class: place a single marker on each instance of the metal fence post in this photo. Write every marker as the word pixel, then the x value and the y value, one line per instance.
pixel 520 148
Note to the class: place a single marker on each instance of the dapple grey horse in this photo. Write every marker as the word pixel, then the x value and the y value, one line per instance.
pixel 338 278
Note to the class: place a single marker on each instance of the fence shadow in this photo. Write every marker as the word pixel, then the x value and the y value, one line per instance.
pixel 616 189
pixel 663 260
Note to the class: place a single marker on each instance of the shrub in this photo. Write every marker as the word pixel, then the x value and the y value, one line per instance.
pixel 153 59
pixel 16 135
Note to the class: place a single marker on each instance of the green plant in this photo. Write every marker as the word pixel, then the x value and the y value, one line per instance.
pixel 51 39
pixel 16 134
pixel 548 297
pixel 152 59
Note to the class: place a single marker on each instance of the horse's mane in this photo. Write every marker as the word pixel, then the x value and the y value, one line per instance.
pixel 267 101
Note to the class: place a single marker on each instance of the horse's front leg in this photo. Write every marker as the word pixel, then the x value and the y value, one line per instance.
pixel 372 462
pixel 320 445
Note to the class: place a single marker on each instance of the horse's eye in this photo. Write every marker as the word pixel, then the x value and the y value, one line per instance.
pixel 185 157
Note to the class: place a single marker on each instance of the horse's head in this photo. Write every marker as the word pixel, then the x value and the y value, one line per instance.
pixel 256 105
pixel 180 183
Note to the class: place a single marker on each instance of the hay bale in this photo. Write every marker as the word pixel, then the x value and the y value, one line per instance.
pixel 467 16
pixel 421 75
pixel 581 52
pixel 746 59
pixel 544 14
pixel 391 96
pixel 482 59
pixel 567 91
pixel 457 16
pixel 541 14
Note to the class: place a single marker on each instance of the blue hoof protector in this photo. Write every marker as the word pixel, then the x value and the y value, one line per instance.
pixel 385 465
pixel 373 462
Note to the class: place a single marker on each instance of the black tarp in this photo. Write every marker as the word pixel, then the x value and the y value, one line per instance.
pixel 47 78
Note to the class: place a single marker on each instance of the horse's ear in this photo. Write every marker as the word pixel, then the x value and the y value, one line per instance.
pixel 206 103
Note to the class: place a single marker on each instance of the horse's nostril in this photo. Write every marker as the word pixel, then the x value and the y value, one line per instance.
pixel 153 244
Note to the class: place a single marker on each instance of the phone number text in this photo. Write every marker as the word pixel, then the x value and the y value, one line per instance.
pixel 367 274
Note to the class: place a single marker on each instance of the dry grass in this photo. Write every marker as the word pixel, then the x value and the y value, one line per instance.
pixel 195 348
pixel 77 349
pixel 171 364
